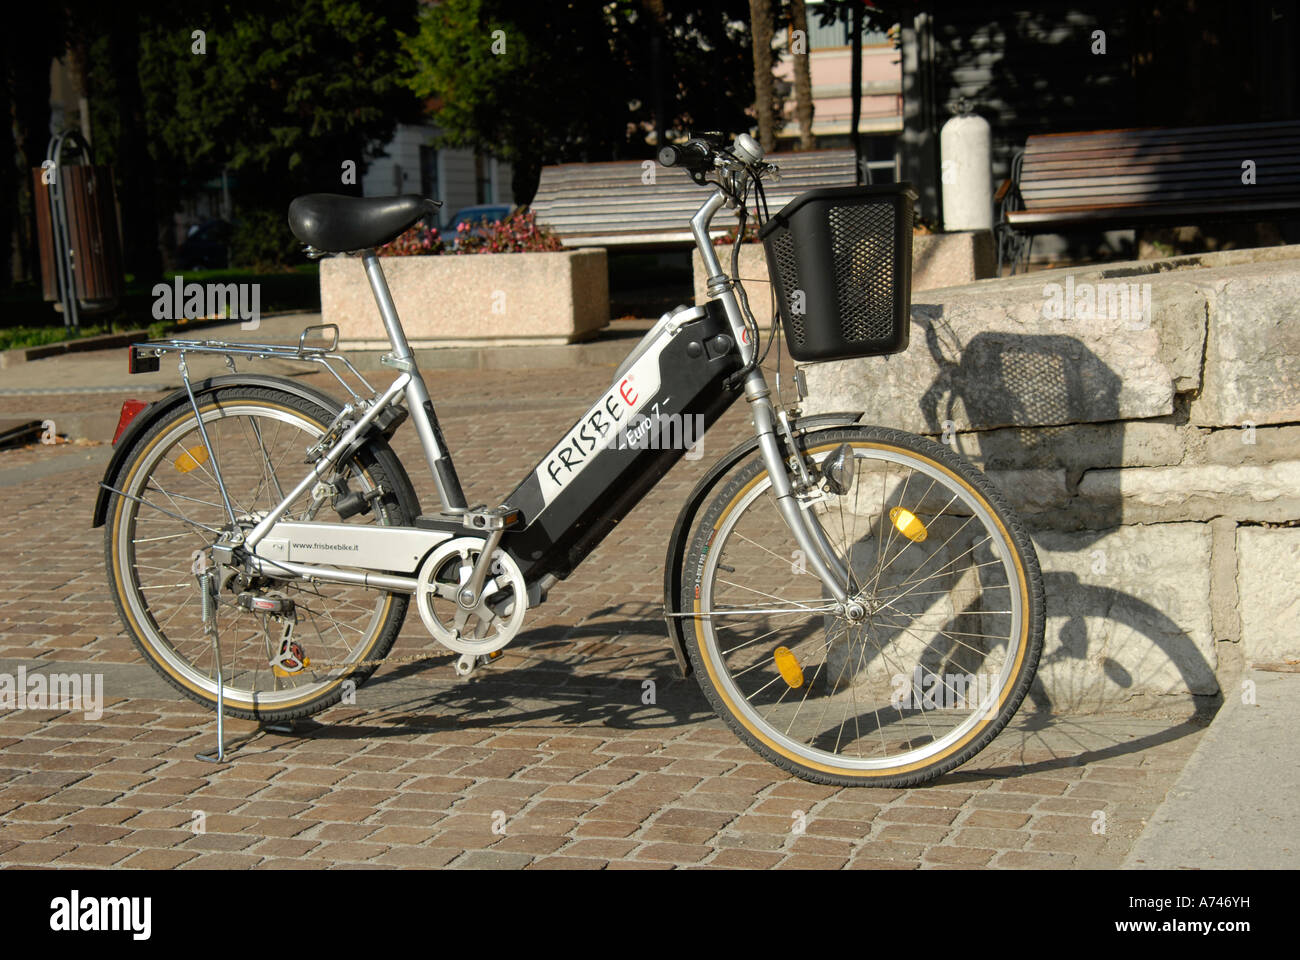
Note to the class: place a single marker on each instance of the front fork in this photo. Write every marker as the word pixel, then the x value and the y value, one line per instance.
pixel 807 530
pixel 803 523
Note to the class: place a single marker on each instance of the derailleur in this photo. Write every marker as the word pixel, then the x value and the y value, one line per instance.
pixel 289 656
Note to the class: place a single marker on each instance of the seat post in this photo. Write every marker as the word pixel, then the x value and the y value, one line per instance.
pixel 417 394
pixel 387 310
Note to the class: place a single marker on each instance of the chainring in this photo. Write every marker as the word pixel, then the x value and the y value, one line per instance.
pixel 493 621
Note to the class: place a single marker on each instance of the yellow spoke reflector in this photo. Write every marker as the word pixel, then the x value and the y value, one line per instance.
pixel 192 459
pixel 908 524
pixel 791 672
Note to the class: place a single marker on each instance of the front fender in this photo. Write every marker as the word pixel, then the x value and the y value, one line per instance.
pixel 159 408
pixel 678 541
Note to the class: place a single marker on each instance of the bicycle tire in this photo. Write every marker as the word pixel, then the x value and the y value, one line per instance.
pixel 716 534
pixel 162 451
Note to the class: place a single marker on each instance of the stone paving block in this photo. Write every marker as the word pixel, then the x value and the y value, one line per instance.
pixel 491 860
pixel 158 859
pixel 673 852
pixel 803 861
pixel 973 856
pixel 567 863
pixel 580 787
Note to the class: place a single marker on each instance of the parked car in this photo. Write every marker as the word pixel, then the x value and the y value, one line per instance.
pixel 477 217
pixel 206 246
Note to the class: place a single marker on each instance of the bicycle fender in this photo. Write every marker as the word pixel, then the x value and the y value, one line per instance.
pixel 150 415
pixel 678 542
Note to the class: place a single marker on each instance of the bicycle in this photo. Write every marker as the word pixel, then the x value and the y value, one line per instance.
pixel 859 604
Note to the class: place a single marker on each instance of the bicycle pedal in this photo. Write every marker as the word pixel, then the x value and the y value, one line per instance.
pixel 467 663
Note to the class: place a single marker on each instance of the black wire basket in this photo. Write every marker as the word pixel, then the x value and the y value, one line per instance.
pixel 841 262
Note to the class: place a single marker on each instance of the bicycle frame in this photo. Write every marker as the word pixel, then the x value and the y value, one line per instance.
pixel 577 493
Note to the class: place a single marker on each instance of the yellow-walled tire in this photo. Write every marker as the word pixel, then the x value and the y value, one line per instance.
pixel 259 436
pixel 927 668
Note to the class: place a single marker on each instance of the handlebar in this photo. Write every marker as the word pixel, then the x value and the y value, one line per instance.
pixel 702 154
pixel 693 155
pixel 738 167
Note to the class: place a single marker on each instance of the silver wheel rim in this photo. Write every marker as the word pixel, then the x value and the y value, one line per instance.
pixel 911 758
pixel 267 690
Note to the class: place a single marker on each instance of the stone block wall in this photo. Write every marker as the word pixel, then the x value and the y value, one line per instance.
pixel 1150 436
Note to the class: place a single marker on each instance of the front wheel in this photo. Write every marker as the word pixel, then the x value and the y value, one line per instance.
pixel 931 657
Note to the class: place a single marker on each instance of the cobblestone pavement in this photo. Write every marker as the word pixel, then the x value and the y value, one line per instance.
pixel 546 758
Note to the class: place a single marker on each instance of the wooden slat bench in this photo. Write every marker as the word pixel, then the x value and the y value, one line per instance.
pixel 607 204
pixel 1110 179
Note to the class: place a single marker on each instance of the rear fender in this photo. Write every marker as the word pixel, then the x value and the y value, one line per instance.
pixel 150 415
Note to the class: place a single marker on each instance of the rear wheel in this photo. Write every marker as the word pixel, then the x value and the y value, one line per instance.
pixel 161 534
pixel 931 657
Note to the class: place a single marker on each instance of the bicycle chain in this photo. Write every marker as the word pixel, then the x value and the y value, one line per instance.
pixel 360 664
pixel 354 665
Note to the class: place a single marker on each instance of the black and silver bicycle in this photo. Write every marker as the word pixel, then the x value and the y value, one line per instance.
pixel 859 604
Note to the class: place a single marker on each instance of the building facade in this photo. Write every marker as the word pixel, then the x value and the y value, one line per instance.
pixel 830 60
pixel 458 178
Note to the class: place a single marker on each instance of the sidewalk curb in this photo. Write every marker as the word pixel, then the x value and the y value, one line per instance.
pixel 1233 806
pixel 108 341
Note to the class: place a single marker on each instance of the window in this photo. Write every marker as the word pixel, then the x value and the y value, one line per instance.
pixel 429 172
pixel 483 179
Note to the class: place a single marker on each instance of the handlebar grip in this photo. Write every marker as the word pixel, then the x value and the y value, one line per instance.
pixel 693 155
pixel 669 156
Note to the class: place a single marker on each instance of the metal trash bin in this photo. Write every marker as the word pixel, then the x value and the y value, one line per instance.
pixel 77 230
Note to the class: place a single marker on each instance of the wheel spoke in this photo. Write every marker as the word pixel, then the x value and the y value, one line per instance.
pixel 900 686
pixel 168 508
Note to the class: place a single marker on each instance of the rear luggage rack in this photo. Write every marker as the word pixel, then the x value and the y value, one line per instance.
pixel 144 357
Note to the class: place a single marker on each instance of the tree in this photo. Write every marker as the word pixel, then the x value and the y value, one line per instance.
pixel 803 100
pixel 547 83
pixel 26 49
pixel 281 95
pixel 760 21
pixel 122 138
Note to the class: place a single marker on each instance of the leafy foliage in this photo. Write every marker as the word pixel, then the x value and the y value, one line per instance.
pixel 540 83
pixel 419 241
pixel 284 94
pixel 518 233
pixel 262 239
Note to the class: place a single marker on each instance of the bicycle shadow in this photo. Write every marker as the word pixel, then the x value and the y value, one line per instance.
pixel 1026 400
pixel 552 695
pixel 614 669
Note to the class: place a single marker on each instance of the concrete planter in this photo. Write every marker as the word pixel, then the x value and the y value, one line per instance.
pixel 452 301
pixel 938 260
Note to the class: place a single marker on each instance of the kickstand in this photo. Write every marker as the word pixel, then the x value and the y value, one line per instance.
pixel 210 623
